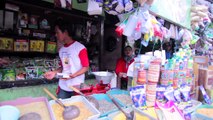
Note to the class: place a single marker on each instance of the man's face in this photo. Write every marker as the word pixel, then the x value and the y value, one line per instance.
pixel 128 51
pixel 59 34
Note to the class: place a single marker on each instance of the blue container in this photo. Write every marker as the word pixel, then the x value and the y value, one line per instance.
pixel 196 115
pixel 100 97
pixel 117 92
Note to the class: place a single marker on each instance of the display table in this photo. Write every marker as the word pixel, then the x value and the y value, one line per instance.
pixel 30 91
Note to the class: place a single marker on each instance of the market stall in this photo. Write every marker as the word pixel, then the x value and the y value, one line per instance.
pixel 162 84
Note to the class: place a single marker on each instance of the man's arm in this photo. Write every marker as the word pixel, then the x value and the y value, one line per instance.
pixel 80 72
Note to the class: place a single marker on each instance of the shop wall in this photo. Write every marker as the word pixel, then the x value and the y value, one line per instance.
pixel 76 5
pixel 109 59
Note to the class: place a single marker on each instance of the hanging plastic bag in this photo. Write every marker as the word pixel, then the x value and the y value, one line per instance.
pixel 128 5
pixel 94 8
pixel 131 24
pixel 119 30
pixel 120 6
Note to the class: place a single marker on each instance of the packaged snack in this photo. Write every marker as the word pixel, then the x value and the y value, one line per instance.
pixel 6 44
pixel 51 47
pixel 138 95
pixel 205 95
pixel 1 74
pixel 49 63
pixel 160 92
pixel 142 77
pixel 28 63
pixel 39 61
pixel 21 45
pixel 41 72
pixel 20 74
pixel 169 94
pixel 32 72
pixel 185 91
pixel 177 95
pixel 170 111
pixel 33 23
pixel 37 45
pixel 8 75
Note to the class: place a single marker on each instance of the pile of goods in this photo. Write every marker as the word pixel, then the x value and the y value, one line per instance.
pixel 26 68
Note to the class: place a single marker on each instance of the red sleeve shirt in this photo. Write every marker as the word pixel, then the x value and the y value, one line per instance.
pixel 84 58
pixel 121 66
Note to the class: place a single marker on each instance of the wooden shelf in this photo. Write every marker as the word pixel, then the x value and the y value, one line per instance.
pixel 22 83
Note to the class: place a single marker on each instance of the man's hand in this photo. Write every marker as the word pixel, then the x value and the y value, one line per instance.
pixel 50 75
pixel 70 77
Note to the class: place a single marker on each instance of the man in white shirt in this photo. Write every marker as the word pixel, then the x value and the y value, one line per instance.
pixel 74 60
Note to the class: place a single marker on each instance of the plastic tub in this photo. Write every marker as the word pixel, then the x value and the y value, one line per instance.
pixel 103 76
pixel 198 116
pixel 111 116
pixel 8 112
pixel 82 99
pixel 120 92
pixel 100 97
pixel 29 100
pixel 150 111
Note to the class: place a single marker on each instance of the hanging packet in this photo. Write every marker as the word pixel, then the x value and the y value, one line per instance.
pixel 169 94
pixel 160 92
pixel 177 95
pixel 94 8
pixel 138 95
pixel 170 111
pixel 185 91
pixel 205 96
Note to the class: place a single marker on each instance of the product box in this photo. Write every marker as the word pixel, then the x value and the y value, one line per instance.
pixel 36 45
pixel 51 47
pixel 6 44
pixel 21 45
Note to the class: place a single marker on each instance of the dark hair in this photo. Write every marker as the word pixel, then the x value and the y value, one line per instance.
pixel 128 47
pixel 65 26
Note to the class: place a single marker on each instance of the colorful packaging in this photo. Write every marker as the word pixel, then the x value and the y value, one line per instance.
pixel 142 77
pixel 6 44
pixel 205 95
pixel 177 95
pixel 28 63
pixel 37 45
pixel 51 47
pixel 169 94
pixel 8 75
pixel 21 45
pixel 138 95
pixel 32 72
pixel 185 91
pixel 170 111
pixel 20 74
pixel 160 92
pixel 41 72
pixel 49 63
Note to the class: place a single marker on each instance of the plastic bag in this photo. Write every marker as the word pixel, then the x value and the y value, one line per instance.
pixel 131 24
pixel 94 8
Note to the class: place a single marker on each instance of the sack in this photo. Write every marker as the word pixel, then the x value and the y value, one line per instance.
pixel 94 8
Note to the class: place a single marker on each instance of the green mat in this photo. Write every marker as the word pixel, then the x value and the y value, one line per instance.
pixel 30 91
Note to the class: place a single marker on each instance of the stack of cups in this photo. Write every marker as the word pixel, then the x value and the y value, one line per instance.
pixel 153 78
